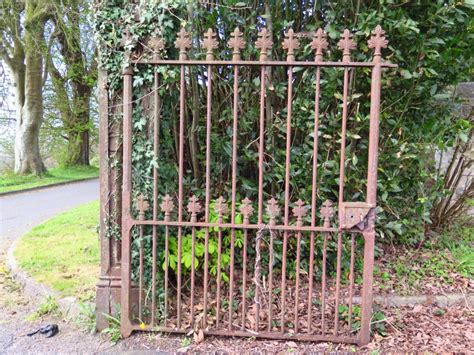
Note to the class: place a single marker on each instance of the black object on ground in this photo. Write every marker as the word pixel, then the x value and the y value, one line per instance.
pixel 49 330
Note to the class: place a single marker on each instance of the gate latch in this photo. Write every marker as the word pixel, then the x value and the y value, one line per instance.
pixel 354 214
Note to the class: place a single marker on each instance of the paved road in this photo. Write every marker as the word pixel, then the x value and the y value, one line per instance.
pixel 20 212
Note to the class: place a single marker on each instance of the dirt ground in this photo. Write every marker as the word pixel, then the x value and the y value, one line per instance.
pixel 15 311
pixel 415 328
pixel 419 328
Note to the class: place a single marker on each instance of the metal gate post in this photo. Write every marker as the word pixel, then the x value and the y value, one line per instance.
pixel 377 42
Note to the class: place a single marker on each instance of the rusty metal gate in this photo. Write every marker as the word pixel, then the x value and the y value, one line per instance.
pixel 254 294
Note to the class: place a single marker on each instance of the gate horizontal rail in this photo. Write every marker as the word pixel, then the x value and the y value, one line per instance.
pixel 294 228
pixel 265 63
pixel 244 288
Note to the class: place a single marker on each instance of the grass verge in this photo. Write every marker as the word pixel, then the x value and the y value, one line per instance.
pixel 63 252
pixel 12 182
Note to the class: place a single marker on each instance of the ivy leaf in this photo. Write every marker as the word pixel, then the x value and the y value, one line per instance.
pixel 406 74
pixel 463 137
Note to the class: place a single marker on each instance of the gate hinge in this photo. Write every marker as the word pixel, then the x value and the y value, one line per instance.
pixel 355 214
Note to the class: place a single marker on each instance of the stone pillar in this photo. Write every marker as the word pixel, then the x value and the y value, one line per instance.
pixel 109 285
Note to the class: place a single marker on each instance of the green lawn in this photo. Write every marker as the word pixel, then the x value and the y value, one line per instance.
pixel 63 252
pixel 13 182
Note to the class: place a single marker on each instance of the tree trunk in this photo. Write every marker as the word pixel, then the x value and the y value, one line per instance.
pixel 79 127
pixel 29 96
pixel 73 104
pixel 78 144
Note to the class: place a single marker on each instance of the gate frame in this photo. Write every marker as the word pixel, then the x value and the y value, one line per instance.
pixel 351 214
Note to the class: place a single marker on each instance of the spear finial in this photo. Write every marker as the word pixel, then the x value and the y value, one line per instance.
pixel 346 44
pixel 236 43
pixel 319 44
pixel 290 43
pixel 142 205
pixel 221 207
pixel 194 207
pixel 183 42
pixel 264 43
pixel 299 211
pixel 167 206
pixel 210 43
pixel 156 44
pixel 246 209
pixel 273 209
pixel 377 42
pixel 327 211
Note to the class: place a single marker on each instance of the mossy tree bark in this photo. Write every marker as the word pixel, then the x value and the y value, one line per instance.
pixel 21 47
pixel 74 87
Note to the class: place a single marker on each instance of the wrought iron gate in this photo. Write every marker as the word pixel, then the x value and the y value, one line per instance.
pixel 256 297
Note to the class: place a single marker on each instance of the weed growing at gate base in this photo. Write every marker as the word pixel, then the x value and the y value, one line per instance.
pixel 377 323
pixel 48 306
pixel 86 318
pixel 113 330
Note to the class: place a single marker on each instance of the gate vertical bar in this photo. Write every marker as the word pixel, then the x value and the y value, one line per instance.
pixel 377 42
pixel 157 45
pixel 166 207
pixel 290 44
pixel 260 177
pixel 236 43
pixel 299 212
pixel 246 209
pixel 140 275
pixel 346 44
pixel 180 186
pixel 156 134
pixel 351 279
pixel 234 188
pixel 182 42
pixel 209 43
pixel 193 208
pixel 326 212
pixel 318 44
pixel 208 187
pixel 264 44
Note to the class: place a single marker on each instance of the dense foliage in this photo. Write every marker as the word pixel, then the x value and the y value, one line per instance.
pixel 430 42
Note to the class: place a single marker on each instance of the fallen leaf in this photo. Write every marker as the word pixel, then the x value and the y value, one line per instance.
pixel 291 344
pixel 199 336
pixel 470 335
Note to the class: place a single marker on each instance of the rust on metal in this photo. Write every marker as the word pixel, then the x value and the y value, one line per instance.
pixel 290 43
pixel 235 291
pixel 183 42
pixel 210 43
pixel 264 43
pixel 236 43
pixel 354 214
